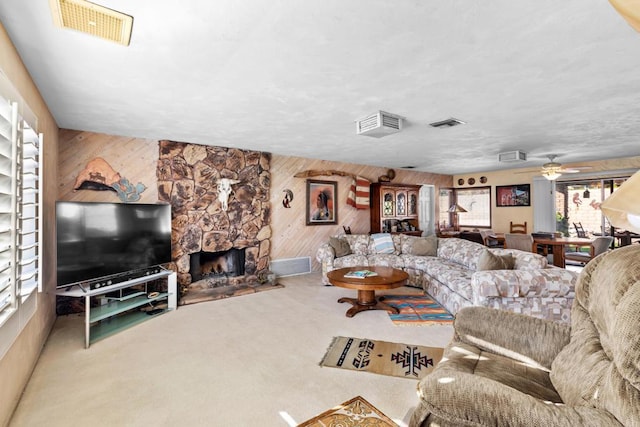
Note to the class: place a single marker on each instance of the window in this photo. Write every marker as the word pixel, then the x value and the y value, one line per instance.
pixel 20 217
pixel 477 203
pixel 578 204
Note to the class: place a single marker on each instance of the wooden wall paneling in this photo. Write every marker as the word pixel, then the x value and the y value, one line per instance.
pixel 134 158
pixel 291 237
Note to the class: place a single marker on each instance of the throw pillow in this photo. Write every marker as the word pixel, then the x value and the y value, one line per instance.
pixel 491 261
pixel 383 243
pixel 425 246
pixel 340 246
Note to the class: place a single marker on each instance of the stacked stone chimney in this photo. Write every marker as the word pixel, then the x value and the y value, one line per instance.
pixel 187 175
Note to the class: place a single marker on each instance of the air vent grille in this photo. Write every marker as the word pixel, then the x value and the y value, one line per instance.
pixel 512 156
pixel 379 124
pixel 392 122
pixel 368 123
pixel 447 123
pixel 92 19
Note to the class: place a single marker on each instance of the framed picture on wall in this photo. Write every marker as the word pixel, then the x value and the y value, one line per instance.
pixel 322 207
pixel 513 195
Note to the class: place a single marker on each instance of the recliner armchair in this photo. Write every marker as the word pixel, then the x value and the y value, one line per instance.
pixel 507 369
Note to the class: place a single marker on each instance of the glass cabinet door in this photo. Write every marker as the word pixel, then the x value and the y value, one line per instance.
pixel 401 203
pixel 388 201
pixel 412 205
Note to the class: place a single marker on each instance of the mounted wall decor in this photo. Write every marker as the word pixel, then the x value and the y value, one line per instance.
pixel 513 195
pixel 321 202
pixel 288 198
pixel 99 175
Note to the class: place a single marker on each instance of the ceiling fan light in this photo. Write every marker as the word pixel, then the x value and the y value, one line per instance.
pixel 551 176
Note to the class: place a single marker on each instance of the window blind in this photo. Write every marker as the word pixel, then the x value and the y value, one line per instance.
pixel 20 209
pixel 8 121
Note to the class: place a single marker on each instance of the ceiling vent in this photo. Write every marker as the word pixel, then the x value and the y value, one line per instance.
pixel 447 123
pixel 92 19
pixel 512 156
pixel 379 124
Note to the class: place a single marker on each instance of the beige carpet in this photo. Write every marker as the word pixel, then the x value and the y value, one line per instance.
pixel 382 357
pixel 244 361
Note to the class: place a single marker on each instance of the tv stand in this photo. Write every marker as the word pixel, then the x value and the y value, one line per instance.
pixel 123 309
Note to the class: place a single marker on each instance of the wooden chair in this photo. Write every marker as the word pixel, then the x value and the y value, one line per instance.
pixel 579 230
pixel 518 228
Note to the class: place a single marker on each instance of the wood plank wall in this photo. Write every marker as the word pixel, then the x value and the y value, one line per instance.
pixel 135 159
pixel 291 237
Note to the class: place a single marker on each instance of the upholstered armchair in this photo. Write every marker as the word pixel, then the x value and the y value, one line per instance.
pixel 506 369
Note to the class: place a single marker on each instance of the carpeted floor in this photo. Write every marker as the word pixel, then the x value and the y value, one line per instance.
pixel 244 361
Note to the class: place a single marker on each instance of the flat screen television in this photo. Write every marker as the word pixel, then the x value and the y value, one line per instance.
pixel 100 240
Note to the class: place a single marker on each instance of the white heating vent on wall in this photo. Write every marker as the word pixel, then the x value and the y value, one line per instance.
pixel 379 124
pixel 291 266
pixel 512 156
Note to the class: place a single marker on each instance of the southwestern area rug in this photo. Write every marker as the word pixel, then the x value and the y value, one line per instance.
pixel 353 413
pixel 417 310
pixel 381 357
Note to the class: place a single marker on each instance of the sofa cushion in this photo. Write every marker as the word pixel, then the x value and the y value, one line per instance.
pixel 420 246
pixel 352 260
pixel 383 243
pixel 524 260
pixel 386 260
pixel 340 246
pixel 359 243
pixel 491 261
pixel 460 251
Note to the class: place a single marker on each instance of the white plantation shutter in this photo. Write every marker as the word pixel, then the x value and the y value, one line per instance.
pixel 8 121
pixel 29 211
pixel 20 214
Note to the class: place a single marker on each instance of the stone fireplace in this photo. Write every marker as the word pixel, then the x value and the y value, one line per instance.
pixel 209 242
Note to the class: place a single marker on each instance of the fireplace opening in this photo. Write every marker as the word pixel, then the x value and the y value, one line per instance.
pixel 205 265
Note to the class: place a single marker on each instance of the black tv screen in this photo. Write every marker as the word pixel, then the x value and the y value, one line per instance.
pixel 99 240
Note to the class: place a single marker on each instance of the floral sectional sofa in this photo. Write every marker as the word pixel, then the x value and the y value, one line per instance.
pixel 450 273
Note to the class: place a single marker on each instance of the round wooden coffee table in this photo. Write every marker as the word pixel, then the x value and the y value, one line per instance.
pixel 387 278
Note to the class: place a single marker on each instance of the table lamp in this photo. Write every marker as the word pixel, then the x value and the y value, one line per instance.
pixel 455 209
pixel 622 207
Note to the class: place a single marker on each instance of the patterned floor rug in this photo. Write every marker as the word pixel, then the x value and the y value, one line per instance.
pixel 381 357
pixel 417 310
pixel 356 412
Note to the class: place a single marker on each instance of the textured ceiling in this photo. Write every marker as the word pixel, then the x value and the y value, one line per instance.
pixel 291 77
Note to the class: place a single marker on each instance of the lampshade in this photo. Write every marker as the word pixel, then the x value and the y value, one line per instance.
pixel 622 207
pixel 630 10
pixel 551 175
pixel 456 208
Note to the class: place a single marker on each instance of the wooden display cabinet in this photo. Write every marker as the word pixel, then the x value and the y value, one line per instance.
pixel 394 208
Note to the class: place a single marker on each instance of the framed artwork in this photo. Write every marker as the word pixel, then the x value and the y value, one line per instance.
pixel 513 195
pixel 322 207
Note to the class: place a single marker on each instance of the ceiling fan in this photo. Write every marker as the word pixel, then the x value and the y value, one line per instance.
pixel 552 170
